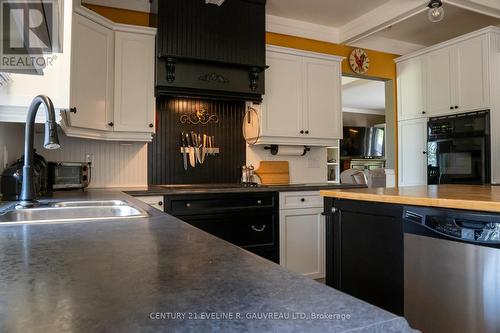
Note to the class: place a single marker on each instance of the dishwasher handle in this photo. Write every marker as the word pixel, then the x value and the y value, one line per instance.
pixel 480 229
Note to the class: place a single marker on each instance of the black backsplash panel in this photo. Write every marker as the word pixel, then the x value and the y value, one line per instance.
pixel 165 161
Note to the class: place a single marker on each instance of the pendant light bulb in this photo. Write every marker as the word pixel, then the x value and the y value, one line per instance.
pixel 436 11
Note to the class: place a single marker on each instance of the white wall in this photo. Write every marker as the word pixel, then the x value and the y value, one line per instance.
pixel 303 169
pixel 11 143
pixel 115 164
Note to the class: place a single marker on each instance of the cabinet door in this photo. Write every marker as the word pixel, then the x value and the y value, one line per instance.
pixel 91 74
pixel 411 89
pixel 472 74
pixel 302 236
pixel 322 99
pixel 439 83
pixel 412 152
pixel 134 82
pixel 282 114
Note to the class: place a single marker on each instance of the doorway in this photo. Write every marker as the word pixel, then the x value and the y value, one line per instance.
pixel 369 126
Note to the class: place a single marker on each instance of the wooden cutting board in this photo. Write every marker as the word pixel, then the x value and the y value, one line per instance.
pixel 273 172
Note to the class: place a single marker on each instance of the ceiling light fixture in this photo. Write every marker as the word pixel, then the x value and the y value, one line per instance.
pixel 436 11
pixel 214 2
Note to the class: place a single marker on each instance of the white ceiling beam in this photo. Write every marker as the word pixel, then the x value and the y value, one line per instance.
pixel 286 26
pixel 380 18
pixel 485 7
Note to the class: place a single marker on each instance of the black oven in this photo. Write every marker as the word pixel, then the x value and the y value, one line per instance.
pixel 458 149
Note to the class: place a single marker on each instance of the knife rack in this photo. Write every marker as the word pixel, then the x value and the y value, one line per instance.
pixel 208 151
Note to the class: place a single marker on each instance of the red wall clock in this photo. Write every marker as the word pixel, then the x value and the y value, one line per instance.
pixel 359 61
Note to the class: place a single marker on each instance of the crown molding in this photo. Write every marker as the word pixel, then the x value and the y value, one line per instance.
pixel 387 45
pixel 286 26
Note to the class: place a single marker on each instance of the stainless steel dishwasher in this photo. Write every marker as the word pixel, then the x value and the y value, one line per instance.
pixel 451 270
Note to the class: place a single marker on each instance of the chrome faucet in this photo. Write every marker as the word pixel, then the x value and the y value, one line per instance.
pixel 28 195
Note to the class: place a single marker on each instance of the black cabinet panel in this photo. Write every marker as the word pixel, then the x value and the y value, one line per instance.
pixel 365 252
pixel 249 220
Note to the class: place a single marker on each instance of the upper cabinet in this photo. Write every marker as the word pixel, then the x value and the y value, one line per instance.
pixel 452 77
pixel 102 84
pixel 411 88
pixel 302 105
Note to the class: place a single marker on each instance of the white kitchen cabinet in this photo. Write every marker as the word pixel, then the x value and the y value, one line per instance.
pixel 302 104
pixel 92 74
pixel 302 233
pixel 412 144
pixel 302 243
pixel 472 75
pixel 134 82
pixel 411 88
pixel 322 98
pixel 283 97
pixel 440 88
pixel 112 80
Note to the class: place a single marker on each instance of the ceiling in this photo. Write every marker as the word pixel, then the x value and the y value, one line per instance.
pixel 419 30
pixel 363 96
pixel 333 13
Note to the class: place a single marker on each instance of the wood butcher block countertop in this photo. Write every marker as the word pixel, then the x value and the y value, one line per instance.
pixel 469 197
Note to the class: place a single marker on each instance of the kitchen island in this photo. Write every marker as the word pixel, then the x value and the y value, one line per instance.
pixel 159 274
pixel 430 253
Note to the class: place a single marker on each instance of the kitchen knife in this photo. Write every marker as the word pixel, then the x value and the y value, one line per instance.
pixel 213 145
pixel 204 149
pixel 184 150
pixel 196 146
pixel 192 159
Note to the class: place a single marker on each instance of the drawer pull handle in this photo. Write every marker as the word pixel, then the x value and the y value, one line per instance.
pixel 257 229
pixel 160 203
pixel 188 205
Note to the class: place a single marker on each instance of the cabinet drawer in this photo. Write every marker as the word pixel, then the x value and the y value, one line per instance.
pixel 294 200
pixel 250 229
pixel 199 204
pixel 153 201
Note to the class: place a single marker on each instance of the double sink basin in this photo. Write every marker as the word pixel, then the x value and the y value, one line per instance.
pixel 73 211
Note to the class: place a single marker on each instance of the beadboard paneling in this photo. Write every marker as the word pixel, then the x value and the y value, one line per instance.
pixel 115 164
pixel 165 158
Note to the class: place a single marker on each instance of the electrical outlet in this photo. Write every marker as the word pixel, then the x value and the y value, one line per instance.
pixel 89 158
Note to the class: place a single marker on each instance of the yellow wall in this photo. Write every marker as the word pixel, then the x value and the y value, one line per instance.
pixel 124 16
pixel 381 64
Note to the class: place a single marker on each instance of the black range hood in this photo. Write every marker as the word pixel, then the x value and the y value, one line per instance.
pixel 210 51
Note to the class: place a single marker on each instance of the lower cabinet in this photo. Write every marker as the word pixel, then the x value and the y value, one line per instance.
pixel 248 220
pixel 364 252
pixel 302 233
pixel 302 245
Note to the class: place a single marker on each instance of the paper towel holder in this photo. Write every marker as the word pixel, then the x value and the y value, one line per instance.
pixel 275 148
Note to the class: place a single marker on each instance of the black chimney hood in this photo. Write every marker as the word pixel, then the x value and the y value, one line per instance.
pixel 210 51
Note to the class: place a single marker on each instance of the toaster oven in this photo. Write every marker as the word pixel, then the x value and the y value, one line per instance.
pixel 69 175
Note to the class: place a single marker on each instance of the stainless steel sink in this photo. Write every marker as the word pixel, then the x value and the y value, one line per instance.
pixel 73 211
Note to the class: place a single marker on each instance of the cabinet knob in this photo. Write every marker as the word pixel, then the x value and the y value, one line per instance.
pixel 424 152
pixel 160 203
pixel 302 199
pixel 111 124
pixel 307 132
pixel 72 110
pixel 301 132
pixel 456 106
pixel 259 202
pixel 188 205
pixel 151 125
pixel 451 107
pixel 423 112
pixel 334 210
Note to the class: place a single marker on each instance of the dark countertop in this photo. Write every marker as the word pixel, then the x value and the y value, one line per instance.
pixel 121 276
pixel 231 188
